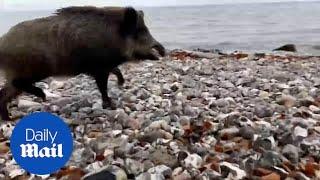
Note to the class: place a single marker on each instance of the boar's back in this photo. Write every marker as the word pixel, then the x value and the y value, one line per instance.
pixel 70 28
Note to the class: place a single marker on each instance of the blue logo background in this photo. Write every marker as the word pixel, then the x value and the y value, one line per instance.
pixel 39 122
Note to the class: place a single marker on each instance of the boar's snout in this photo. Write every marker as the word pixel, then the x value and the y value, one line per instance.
pixel 151 53
pixel 161 50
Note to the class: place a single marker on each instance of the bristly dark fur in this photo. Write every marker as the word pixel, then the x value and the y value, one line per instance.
pixel 91 10
pixel 80 10
pixel 108 13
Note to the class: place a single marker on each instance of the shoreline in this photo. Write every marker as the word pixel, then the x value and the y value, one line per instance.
pixel 191 115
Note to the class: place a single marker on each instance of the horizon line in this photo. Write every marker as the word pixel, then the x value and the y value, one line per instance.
pixel 172 6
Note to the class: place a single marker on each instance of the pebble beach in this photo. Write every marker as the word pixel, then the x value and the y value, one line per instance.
pixel 191 115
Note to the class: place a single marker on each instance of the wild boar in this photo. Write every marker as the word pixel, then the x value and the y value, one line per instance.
pixel 74 40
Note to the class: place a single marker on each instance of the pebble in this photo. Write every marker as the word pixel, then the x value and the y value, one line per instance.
pixel 161 169
pixel 233 171
pixel 193 161
pixel 247 132
pixel 15 173
pixel 56 84
pixel 24 104
pixel 264 143
pixel 287 100
pixel 263 111
pixel 291 152
pixel 269 159
pixel 314 109
pixel 300 132
pixel 50 95
pixel 159 157
pixel 229 133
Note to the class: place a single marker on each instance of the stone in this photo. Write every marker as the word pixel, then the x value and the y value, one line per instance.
pixel 300 132
pixel 162 157
pixel 133 166
pixel 291 152
pixel 16 172
pixel 56 84
pixel 263 111
pixel 222 103
pixel 307 101
pixel 86 110
pixel 190 111
pixel 152 136
pixel 143 94
pixel 287 101
pixel 264 94
pixel 180 174
pixel 54 108
pixel 161 169
pixel 157 177
pixel 272 176
pixel 82 156
pixel 144 176
pixel 232 170
pixel 4 148
pixel 62 102
pixel 269 159
pixel 287 47
pixel 175 86
pixel 262 143
pixel 6 130
pixel 25 104
pixel 50 95
pixel 229 133
pixel 247 132
pixel 314 109
pixel 227 84
pixel 193 161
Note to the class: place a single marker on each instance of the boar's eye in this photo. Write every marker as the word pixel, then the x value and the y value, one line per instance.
pixel 140 32
pixel 130 22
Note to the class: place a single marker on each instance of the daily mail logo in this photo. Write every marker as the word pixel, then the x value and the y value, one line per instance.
pixel 32 150
pixel 41 143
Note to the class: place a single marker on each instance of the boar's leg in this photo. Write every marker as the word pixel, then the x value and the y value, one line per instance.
pixel 116 71
pixel 26 85
pixel 7 93
pixel 102 84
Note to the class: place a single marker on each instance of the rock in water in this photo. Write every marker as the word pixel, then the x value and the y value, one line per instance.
pixel 287 47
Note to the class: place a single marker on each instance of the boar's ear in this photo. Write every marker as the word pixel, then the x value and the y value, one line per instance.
pixel 130 21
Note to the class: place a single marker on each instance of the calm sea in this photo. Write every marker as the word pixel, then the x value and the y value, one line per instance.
pixel 250 27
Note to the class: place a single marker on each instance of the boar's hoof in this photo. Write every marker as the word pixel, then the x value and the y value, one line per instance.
pixel 43 97
pixel 109 105
pixel 116 71
pixel 120 83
